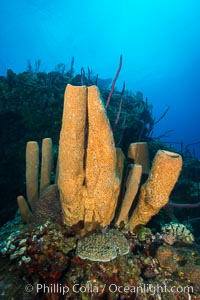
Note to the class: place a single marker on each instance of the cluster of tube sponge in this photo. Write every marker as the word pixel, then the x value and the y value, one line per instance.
pixel 90 168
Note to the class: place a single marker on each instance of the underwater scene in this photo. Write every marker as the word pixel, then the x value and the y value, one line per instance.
pixel 100 150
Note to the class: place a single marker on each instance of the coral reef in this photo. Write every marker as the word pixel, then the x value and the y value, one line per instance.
pixel 183 261
pixel 83 226
pixel 49 256
pixel 90 171
pixel 30 249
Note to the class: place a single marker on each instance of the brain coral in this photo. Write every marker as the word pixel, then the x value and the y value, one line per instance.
pixel 102 247
pixel 178 231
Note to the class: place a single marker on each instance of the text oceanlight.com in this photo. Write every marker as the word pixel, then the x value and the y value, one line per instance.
pixel 112 288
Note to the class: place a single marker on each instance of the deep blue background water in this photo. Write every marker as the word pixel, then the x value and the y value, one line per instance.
pixel 159 40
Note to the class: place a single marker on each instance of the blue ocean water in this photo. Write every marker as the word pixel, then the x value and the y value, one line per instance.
pixel 159 41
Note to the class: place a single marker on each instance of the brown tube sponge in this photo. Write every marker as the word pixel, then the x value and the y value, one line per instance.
pixel 46 165
pixel 155 192
pixel 71 173
pixel 131 191
pixel 139 153
pixel 88 175
pixel 32 172
pixel 120 162
pixel 25 211
pixel 101 183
